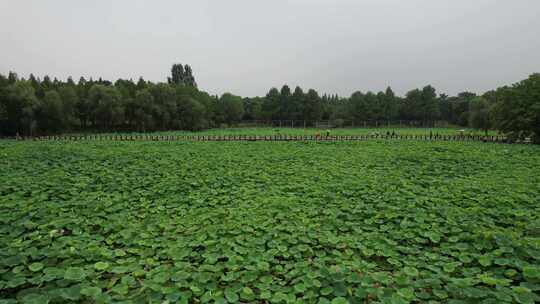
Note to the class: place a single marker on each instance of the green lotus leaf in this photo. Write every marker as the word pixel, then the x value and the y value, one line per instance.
pixel 484 261
pixel 160 277
pixel 323 300
pixel 407 293
pixel 411 271
pixel 265 295
pixel 279 297
pixel 119 269
pixel 339 300
pixel 101 265
pixel 120 289
pixel 327 291
pixel 531 272
pixel 300 288
pixel 35 267
pixel 247 294
pixel 33 298
pixel 72 293
pixel 524 295
pixel 74 274
pixel 92 292
pixel 231 295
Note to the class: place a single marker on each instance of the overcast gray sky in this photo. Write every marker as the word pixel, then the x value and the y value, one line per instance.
pixel 247 46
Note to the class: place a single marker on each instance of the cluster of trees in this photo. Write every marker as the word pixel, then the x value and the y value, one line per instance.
pixel 42 106
pixel 514 110
pixel 419 105
pixel 181 75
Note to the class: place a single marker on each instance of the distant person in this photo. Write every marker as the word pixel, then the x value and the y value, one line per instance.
pixel 327 132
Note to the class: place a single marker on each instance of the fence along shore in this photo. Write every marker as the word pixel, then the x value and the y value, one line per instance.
pixel 282 137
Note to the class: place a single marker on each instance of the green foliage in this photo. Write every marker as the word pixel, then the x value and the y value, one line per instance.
pixel 74 274
pixel 35 267
pixel 51 112
pixel 236 222
pixel 45 106
pixel 271 104
pixel 92 292
pixel 360 107
pixel 339 300
pixel 69 99
pixel 141 110
pixel 312 106
pixel 101 265
pixel 517 108
pixel 37 107
pixel 253 108
pixel 389 104
pixel 182 75
pixel 421 104
pixel 231 296
pixel 232 107
pixel 177 74
pixel 20 107
pixel 192 114
pixel 479 117
pixel 411 271
pixel 106 106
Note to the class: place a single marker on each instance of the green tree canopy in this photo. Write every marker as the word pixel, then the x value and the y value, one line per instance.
pixel 479 117
pixel 51 114
pixel 233 107
pixel 517 110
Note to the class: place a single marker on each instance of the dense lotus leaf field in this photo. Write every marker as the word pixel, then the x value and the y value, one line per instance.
pixel 269 222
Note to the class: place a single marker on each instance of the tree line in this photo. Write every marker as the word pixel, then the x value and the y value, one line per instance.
pixel 36 106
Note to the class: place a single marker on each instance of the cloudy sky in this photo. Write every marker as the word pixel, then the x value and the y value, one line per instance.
pixel 247 46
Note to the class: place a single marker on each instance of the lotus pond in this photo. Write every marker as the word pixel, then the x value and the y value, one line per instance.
pixel 269 222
